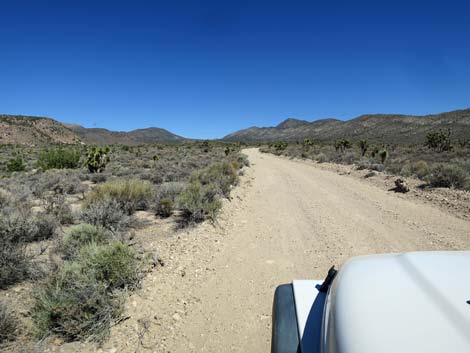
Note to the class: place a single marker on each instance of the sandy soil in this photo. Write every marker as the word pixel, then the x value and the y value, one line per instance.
pixel 288 219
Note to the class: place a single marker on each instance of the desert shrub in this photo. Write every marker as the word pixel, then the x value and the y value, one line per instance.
pixel 421 169
pixel 75 305
pixel 24 226
pixel 98 178
pixel 59 158
pixel 198 202
pixel 14 262
pixel 106 213
pixel 370 164
pixel 115 264
pixel 164 207
pixel 243 160
pixel 16 164
pixel 166 198
pixel 5 199
pixel 321 158
pixel 8 324
pixel 222 176
pixel 56 205
pixel 349 157
pixel 80 235
pixel 280 146
pixel 448 175
pixel 59 182
pixel 130 194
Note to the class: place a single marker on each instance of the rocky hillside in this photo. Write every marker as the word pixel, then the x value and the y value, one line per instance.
pixel 134 137
pixel 376 127
pixel 33 131
pixel 28 130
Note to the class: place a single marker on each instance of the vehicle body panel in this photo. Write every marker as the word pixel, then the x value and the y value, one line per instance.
pixel 411 302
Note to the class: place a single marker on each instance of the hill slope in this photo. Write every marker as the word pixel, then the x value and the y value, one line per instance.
pixel 32 130
pixel 380 127
pixel 134 137
pixel 28 130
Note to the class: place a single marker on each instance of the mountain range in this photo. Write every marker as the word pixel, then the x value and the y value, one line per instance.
pixel 386 128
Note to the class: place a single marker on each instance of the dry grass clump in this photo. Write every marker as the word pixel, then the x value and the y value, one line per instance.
pixel 130 194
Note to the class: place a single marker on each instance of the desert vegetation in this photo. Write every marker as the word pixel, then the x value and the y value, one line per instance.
pixel 67 217
pixel 439 161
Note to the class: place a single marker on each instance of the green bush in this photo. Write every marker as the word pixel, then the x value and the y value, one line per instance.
pixel 164 207
pixel 106 213
pixel 75 305
pixel 79 236
pixel 447 175
pixel 222 176
pixel 115 264
pixel 81 300
pixel 8 324
pixel 16 164
pixel 198 202
pixel 59 158
pixel 130 194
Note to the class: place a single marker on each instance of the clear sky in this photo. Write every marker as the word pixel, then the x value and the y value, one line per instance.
pixel 207 68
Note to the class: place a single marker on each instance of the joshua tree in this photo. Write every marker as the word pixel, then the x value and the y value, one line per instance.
pixel 364 145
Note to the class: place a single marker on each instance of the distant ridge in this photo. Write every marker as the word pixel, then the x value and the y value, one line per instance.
pixel 135 137
pixel 387 128
pixel 33 130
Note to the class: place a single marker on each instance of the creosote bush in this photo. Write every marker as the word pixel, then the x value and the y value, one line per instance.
pixel 221 176
pixel 79 236
pixel 166 198
pixel 130 194
pixel 8 324
pixel 75 305
pixel 59 158
pixel 81 300
pixel 25 226
pixel 106 213
pixel 115 264
pixel 444 175
pixel 16 164
pixel 14 262
pixel 198 202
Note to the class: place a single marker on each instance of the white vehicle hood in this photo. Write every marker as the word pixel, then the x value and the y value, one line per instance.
pixel 407 303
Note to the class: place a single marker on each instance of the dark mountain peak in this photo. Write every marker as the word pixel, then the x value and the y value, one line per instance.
pixel 291 123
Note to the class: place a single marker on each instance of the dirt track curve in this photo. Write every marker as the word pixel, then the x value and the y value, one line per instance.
pixel 288 219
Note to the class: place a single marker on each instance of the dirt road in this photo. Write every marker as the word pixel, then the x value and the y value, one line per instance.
pixel 296 221
pixel 287 220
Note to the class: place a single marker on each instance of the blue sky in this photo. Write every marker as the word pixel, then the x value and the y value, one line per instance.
pixel 207 68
